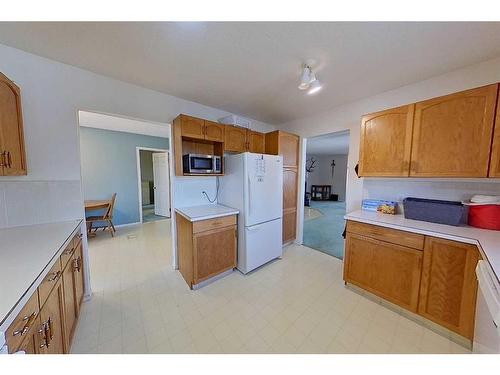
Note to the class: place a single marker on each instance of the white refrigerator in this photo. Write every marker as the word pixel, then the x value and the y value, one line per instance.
pixel 253 184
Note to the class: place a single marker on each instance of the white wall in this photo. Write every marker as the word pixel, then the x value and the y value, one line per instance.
pixel 347 117
pixel 322 173
pixel 52 93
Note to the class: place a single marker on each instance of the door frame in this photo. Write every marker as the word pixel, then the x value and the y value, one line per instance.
pixel 139 184
pixel 302 179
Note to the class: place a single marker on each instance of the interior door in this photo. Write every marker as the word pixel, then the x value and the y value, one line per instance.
pixel 161 184
pixel 263 188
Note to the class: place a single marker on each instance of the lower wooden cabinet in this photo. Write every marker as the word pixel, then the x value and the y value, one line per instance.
pixel 52 323
pixel 206 248
pixel 46 323
pixel 289 225
pixel 31 343
pixel 388 270
pixel 449 285
pixel 437 282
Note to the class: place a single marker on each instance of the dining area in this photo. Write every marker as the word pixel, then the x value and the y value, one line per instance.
pixel 99 215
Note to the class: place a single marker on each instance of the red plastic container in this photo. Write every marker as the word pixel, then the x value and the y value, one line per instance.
pixel 486 216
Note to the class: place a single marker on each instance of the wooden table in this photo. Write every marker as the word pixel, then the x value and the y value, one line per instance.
pixel 91 205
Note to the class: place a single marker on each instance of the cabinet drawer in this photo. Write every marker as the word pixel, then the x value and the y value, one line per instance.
pixel 20 327
pixel 399 237
pixel 219 222
pixel 49 282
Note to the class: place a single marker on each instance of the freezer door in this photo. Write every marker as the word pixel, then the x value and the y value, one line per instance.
pixel 262 244
pixel 263 188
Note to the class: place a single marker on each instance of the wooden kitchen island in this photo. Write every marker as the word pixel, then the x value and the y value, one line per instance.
pixel 206 241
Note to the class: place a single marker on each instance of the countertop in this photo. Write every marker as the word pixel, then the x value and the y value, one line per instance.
pixel 205 212
pixel 26 254
pixel 488 241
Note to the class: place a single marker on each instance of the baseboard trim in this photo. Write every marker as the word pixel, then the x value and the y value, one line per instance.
pixel 127 225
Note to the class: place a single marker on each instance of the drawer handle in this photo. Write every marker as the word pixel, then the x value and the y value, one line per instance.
pixel 29 321
pixel 68 251
pixel 9 160
pixel 41 332
pixel 76 265
pixel 2 159
pixel 55 276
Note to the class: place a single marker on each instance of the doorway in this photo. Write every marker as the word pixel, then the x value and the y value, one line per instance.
pixel 154 184
pixel 325 187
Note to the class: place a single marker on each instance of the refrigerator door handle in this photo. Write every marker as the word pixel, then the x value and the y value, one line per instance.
pixel 249 197
pixel 254 228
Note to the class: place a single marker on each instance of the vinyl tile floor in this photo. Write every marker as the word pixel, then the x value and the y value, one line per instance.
pixel 297 304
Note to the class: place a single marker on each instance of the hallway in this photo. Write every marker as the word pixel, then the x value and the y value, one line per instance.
pixel 323 227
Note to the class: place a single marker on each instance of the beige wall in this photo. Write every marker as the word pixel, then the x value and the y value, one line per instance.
pixel 347 117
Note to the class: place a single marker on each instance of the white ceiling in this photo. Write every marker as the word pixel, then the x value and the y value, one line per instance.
pixel 251 68
pixel 330 144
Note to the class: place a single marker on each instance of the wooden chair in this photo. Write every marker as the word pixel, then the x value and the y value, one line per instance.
pixel 107 218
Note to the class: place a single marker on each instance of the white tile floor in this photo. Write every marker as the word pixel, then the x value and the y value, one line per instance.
pixel 295 305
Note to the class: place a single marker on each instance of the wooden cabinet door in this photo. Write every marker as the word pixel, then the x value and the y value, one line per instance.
pixel 214 131
pixel 289 225
pixel 30 345
pixel 289 188
pixel 12 155
pixel 192 127
pixel 386 143
pixel 449 286
pixel 214 252
pixel 494 170
pixel 78 274
pixel 452 134
pixel 51 316
pixel 289 148
pixel 235 139
pixel 256 142
pixel 70 311
pixel 388 270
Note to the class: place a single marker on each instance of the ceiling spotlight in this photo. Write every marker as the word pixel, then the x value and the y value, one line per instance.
pixel 305 78
pixel 309 81
pixel 314 87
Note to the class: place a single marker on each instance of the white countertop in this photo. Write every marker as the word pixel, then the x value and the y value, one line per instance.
pixel 26 254
pixel 205 212
pixel 487 240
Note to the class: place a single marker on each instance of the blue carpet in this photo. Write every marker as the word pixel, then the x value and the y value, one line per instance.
pixel 324 233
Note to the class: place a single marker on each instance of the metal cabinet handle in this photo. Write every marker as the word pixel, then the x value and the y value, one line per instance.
pixel 2 159
pixel 55 276
pixel 9 160
pixel 76 265
pixel 29 321
pixel 41 332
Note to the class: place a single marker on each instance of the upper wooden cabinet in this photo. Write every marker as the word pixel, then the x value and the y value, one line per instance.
pixel 452 134
pixel 197 128
pixel 214 131
pixel 256 142
pixel 495 149
pixel 448 136
pixel 386 142
pixel 285 144
pixel 235 139
pixel 192 127
pixel 12 154
pixel 449 286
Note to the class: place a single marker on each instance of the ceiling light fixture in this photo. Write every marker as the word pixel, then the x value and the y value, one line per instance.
pixel 314 87
pixel 308 81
